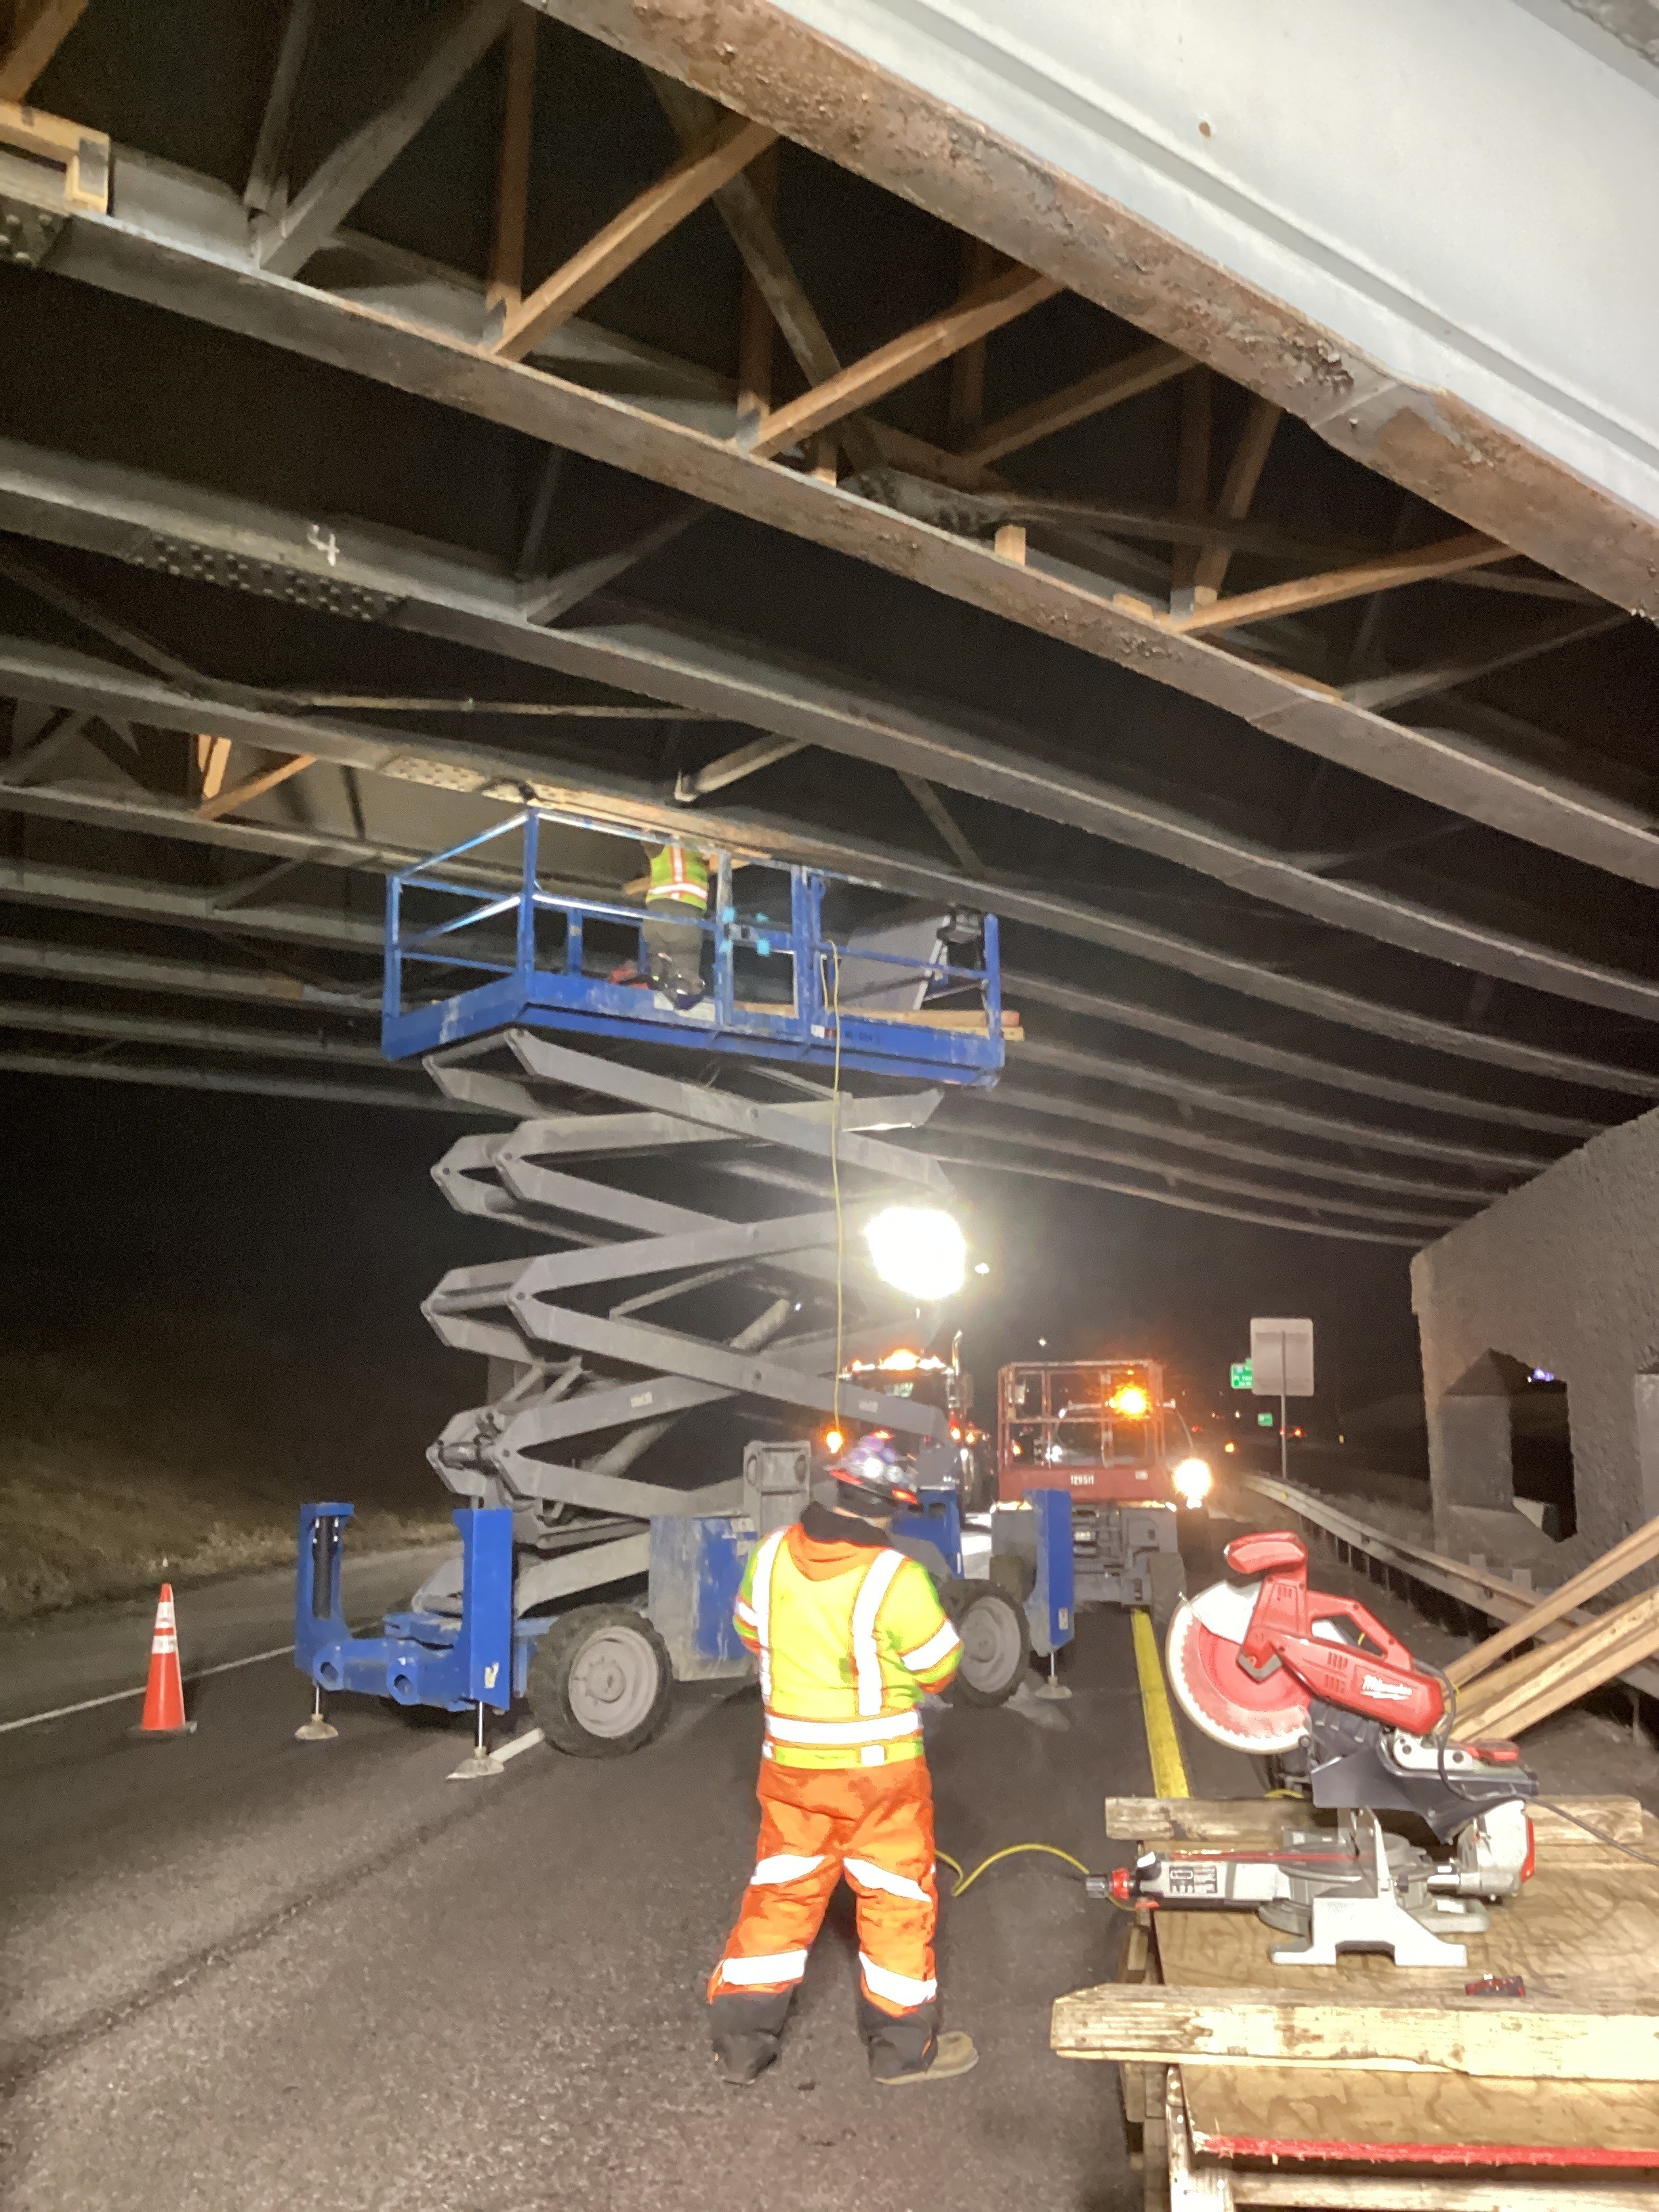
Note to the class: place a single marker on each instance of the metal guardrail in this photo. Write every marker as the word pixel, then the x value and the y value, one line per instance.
pixel 1499 1599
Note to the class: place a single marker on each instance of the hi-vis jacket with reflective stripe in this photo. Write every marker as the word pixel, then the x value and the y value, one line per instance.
pixel 846 1650
pixel 680 876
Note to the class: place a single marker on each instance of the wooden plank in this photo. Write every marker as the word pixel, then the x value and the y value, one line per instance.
pixel 1574 1932
pixel 225 802
pixel 1014 293
pixel 212 757
pixel 644 222
pixel 1089 395
pixel 1470 549
pixel 1257 1824
pixel 966 412
pixel 1320 2192
pixel 39 28
pixel 81 155
pixel 745 207
pixel 1434 2120
pixel 506 287
pixel 1192 480
pixel 1638 1550
pixel 1570 1669
pixel 1589 1934
pixel 1391 2032
pixel 756 324
pixel 1238 491
pixel 1218 1821
pixel 285 242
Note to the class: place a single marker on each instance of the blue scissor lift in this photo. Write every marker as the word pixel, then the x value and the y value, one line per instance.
pixel 483 962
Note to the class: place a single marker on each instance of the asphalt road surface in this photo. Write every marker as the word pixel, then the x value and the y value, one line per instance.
pixel 243 1973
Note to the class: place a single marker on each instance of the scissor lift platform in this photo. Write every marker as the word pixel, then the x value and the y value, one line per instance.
pixel 522 956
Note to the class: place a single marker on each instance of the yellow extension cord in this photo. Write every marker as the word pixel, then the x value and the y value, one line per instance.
pixel 1008 1851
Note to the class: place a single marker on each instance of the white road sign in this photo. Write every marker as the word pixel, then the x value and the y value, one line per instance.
pixel 1281 1358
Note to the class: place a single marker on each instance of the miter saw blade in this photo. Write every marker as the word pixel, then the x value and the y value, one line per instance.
pixel 1216 1693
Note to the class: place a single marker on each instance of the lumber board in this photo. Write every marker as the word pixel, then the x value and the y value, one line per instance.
pixel 1588 1932
pixel 1320 2192
pixel 1637 1551
pixel 1246 1823
pixel 1426 2120
pixel 1571 1668
pixel 1391 2032
pixel 1470 549
pixel 1573 1933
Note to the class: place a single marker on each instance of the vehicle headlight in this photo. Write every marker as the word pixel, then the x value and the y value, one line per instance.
pixel 1193 1479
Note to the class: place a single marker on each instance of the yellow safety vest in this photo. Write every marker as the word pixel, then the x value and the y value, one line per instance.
pixel 841 1659
pixel 680 876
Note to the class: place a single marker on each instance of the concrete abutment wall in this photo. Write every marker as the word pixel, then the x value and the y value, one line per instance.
pixel 1560 1276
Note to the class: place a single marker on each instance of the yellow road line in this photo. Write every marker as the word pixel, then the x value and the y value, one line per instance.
pixel 1163 1744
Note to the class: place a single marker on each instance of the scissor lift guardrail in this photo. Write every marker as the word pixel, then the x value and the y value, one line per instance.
pixel 543 979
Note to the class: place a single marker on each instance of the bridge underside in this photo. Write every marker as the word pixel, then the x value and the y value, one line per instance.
pixel 412 410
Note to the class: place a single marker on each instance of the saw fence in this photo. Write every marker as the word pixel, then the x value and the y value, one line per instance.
pixel 1526 2081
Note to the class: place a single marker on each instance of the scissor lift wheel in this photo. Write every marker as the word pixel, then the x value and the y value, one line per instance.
pixel 600 1683
pixel 996 1644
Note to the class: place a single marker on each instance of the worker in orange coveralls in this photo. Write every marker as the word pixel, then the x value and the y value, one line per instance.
pixel 850 1637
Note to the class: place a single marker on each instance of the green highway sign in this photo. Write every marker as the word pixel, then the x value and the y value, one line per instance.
pixel 1242 1376
pixel 1264 1420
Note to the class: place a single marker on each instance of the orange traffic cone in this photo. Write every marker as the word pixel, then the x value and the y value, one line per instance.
pixel 164 1693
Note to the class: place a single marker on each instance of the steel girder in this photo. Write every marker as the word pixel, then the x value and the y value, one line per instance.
pixel 182 243
pixel 443 594
pixel 508 778
pixel 1301 1067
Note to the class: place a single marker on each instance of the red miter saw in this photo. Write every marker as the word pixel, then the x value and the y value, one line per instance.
pixel 1271 1667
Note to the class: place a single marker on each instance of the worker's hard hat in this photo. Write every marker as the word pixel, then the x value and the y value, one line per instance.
pixel 874 1470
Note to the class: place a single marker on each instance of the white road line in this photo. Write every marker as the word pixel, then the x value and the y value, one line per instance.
pixel 115 1697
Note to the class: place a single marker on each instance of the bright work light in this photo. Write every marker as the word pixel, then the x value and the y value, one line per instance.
pixel 918 1249
pixel 1193 1479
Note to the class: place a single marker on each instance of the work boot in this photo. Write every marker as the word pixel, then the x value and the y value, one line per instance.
pixel 953 2054
pixel 744 2058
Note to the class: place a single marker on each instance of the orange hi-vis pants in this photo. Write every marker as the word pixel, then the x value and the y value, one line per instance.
pixel 872 1824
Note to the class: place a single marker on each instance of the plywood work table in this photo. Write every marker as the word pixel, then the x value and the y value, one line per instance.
pixel 1229 2117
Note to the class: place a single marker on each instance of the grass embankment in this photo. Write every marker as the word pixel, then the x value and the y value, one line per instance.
pixel 184 1448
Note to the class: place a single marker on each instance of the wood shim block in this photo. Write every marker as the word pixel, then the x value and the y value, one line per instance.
pixel 1561 1843
pixel 1437 2034
pixel 73 161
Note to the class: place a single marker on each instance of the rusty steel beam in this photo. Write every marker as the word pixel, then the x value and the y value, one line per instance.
pixel 468 603
pixel 158 258
pixel 811 87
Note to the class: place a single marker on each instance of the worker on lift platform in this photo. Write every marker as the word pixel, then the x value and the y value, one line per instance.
pixel 676 901
pixel 850 1636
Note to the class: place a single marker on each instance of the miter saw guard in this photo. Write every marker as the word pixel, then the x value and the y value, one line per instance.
pixel 1268 1667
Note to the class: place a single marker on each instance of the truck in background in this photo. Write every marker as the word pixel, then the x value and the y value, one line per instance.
pixel 1098 1430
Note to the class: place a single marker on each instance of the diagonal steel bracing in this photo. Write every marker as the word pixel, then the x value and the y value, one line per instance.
pixel 510 777
pixel 178 245
pixel 442 595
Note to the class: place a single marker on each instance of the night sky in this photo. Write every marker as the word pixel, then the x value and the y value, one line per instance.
pixel 321 1222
